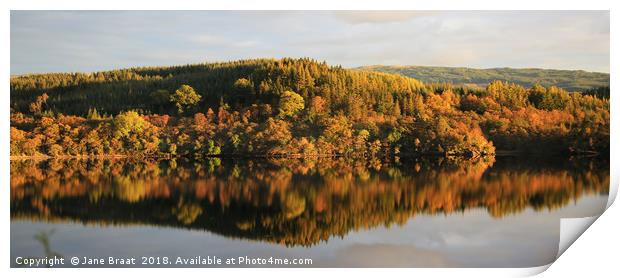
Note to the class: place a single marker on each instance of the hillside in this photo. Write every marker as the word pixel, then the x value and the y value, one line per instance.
pixel 571 80
pixel 293 107
pixel 237 83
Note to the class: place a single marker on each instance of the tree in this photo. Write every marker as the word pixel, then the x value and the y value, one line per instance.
pixel 243 87
pixel 473 103
pixel 185 98
pixel 161 96
pixel 135 133
pixel 93 114
pixel 396 109
pixel 290 104
pixel 317 109
pixel 243 91
pixel 338 134
pixel 37 106
pixel 507 94
pixel 548 98
pixel 18 138
pixel 272 137
pixel 93 143
pixel 127 123
pixel 161 100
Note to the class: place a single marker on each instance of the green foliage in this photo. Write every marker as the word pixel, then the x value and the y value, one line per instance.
pixel 548 98
pixel 127 123
pixel 134 133
pixel 185 98
pixel 160 101
pixel 237 84
pixel 507 94
pixel 600 92
pixel 244 86
pixel 290 104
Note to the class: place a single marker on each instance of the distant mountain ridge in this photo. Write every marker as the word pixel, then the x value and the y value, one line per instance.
pixel 571 80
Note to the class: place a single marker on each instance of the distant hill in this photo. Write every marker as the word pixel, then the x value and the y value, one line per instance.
pixel 571 80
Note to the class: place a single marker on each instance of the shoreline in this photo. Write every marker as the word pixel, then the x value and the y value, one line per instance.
pixel 46 157
pixel 294 156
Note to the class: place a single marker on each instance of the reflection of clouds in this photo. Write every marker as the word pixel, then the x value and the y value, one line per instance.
pixel 389 255
pixel 455 240
pixel 524 240
pixel 471 239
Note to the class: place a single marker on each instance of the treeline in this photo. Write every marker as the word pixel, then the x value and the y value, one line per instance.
pixel 571 80
pixel 293 107
pixel 292 201
pixel 600 92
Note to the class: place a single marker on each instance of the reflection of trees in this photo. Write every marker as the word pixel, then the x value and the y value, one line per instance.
pixel 43 237
pixel 293 202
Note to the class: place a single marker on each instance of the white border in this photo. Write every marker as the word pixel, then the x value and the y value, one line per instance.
pixel 589 255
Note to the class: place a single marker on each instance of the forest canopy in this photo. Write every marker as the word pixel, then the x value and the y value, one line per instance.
pixel 295 107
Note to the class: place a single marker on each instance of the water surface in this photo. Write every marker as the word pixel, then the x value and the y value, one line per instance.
pixel 501 212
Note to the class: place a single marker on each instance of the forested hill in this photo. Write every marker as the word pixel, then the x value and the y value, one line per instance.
pixel 301 107
pixel 571 80
pixel 237 84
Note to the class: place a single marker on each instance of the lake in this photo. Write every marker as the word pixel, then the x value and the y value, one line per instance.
pixel 498 212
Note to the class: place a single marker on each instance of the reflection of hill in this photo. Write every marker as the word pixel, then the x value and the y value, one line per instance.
pixel 291 202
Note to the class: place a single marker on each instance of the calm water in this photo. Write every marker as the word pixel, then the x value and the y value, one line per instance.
pixel 436 213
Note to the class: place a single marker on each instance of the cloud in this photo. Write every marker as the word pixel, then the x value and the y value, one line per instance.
pixel 220 41
pixel 207 40
pixel 360 17
pixel 85 41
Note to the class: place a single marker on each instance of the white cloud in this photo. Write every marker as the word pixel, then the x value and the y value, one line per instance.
pixel 207 40
pixel 85 41
pixel 360 17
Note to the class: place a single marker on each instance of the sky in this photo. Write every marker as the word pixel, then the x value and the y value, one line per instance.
pixel 86 41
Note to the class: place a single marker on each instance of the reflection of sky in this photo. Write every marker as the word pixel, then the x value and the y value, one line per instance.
pixel 469 239
pixel 43 41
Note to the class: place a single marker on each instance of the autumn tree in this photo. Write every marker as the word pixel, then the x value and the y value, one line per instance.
pixel 39 104
pixel 507 94
pixel 185 98
pixel 317 109
pixel 135 133
pixel 290 104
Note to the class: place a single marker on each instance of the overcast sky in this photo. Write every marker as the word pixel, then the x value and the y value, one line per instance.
pixel 44 41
